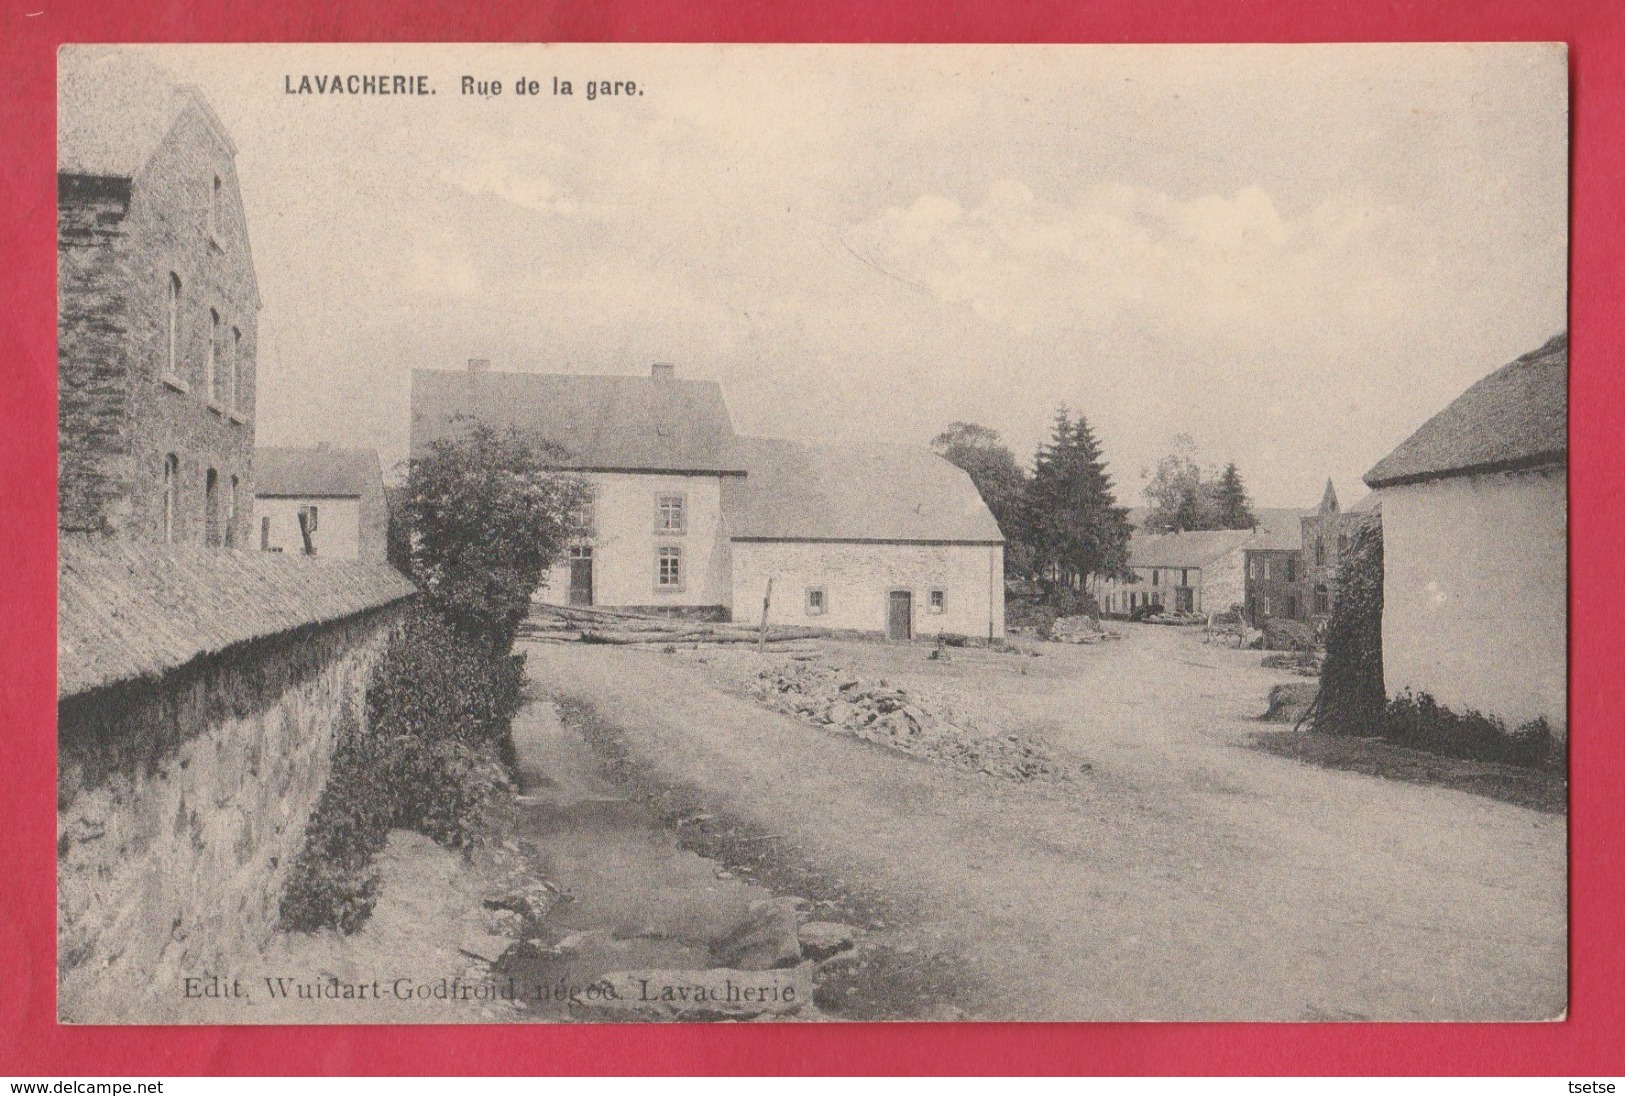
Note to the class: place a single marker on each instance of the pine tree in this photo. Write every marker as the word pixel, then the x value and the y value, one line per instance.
pixel 1232 508
pixel 1076 527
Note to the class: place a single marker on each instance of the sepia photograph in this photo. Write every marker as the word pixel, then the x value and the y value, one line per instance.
pixel 604 533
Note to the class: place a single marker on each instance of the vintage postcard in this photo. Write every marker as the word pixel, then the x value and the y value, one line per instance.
pixel 607 533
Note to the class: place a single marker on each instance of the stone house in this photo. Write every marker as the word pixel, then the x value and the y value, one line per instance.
pixel 333 496
pixel 1475 547
pixel 157 310
pixel 689 518
pixel 1212 570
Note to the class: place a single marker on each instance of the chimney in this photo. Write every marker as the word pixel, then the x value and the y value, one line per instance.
pixel 479 365
pixel 663 371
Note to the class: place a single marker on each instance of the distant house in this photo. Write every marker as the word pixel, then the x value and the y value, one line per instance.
pixel 335 496
pixel 689 518
pixel 1475 540
pixel 1328 533
pixel 1213 570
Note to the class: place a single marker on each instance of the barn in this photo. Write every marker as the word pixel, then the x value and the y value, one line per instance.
pixel 1475 547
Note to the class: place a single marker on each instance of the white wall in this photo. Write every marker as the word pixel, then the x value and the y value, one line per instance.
pixel 857 578
pixel 625 542
pixel 1475 588
pixel 338 525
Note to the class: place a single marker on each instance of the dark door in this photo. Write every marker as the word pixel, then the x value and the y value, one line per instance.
pixel 900 615
pixel 581 577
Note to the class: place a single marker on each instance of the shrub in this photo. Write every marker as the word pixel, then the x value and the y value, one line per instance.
pixel 489 512
pixel 429 760
pixel 1422 723
pixel 1351 697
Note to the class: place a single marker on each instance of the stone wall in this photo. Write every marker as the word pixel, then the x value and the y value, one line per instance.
pixel 181 806
pixel 93 368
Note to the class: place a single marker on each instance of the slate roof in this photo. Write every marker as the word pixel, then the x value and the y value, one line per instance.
pixel 608 423
pixel 1278 524
pixel 129 611
pixel 1517 417
pixel 115 109
pixel 1196 549
pixel 801 491
pixel 316 473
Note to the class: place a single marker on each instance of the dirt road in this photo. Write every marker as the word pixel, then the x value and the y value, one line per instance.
pixel 1183 877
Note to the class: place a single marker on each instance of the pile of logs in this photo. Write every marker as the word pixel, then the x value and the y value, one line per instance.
pixel 590 625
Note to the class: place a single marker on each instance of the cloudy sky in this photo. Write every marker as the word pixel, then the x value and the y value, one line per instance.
pixel 1294 254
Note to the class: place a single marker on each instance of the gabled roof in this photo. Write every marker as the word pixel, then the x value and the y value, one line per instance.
pixel 609 423
pixel 316 473
pixel 115 109
pixel 1517 417
pixel 129 611
pixel 1277 527
pixel 1196 549
pixel 800 491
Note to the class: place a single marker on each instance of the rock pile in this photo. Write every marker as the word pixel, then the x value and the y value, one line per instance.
pixel 1080 629
pixel 891 716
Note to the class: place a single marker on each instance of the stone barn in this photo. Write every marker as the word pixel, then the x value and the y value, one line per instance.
pixel 689 518
pixel 863 538
pixel 1475 547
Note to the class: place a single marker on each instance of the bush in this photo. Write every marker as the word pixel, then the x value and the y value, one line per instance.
pixel 1422 723
pixel 429 759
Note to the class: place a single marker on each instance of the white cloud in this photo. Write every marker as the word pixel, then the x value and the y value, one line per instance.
pixel 1212 266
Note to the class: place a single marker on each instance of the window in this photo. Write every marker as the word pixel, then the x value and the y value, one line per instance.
pixel 937 601
pixel 211 508
pixel 669 569
pixel 211 374
pixel 1291 569
pixel 172 482
pixel 265 534
pixel 232 501
pixel 1291 607
pixel 1320 552
pixel 172 361
pixel 584 518
pixel 214 210
pixel 1154 576
pixel 1323 599
pixel 669 516
pixel 236 370
pixel 1342 542
pixel 815 601
pixel 310 515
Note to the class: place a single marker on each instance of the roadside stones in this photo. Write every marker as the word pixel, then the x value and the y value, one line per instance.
pixel 822 939
pixel 766 939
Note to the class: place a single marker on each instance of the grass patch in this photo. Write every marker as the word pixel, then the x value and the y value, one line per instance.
pixel 1544 790
pixel 429 757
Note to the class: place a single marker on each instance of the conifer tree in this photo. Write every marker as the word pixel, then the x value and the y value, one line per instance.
pixel 1073 520
pixel 1231 506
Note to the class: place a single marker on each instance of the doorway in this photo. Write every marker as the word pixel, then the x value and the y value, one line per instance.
pixel 900 615
pixel 581 576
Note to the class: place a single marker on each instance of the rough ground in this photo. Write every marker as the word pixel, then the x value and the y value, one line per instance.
pixel 1182 876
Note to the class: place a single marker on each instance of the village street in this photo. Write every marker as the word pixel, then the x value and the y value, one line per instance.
pixel 1182 876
